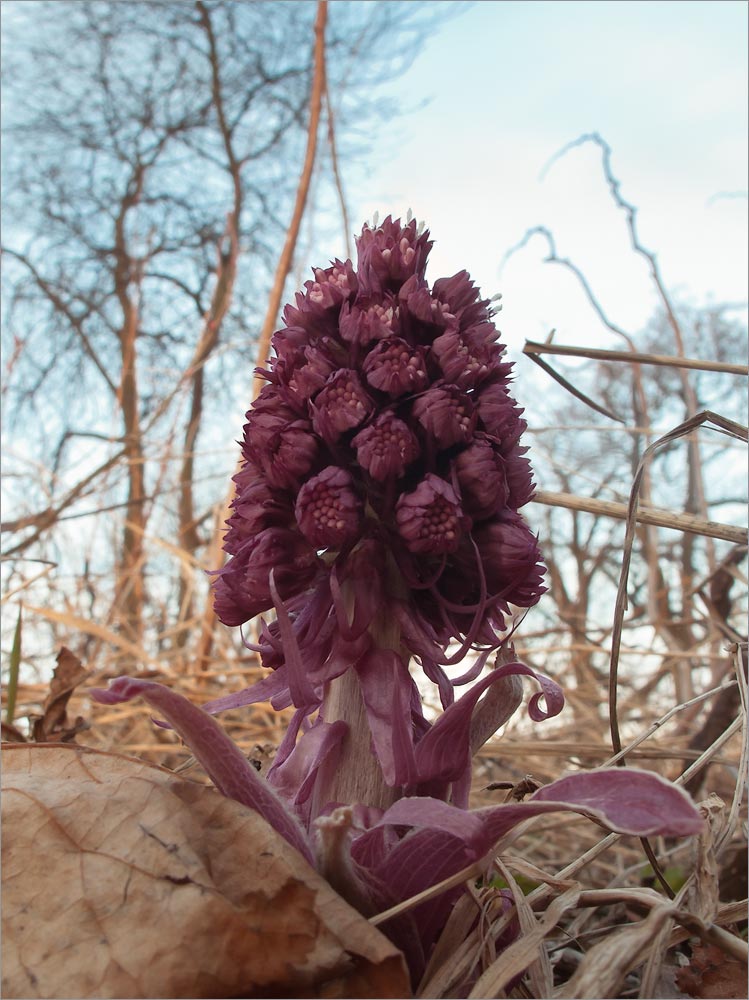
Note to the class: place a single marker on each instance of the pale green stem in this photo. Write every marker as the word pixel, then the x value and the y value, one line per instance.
pixel 358 777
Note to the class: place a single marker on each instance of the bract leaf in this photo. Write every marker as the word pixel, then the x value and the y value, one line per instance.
pixel 221 758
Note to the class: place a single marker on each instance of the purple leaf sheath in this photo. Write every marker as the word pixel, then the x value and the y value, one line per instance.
pixel 221 758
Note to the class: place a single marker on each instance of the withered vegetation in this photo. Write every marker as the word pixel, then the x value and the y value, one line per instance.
pixel 644 623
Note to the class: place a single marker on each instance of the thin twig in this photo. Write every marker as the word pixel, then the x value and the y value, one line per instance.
pixel 534 348
pixel 471 871
pixel 710 419
pixel 664 719
pixel 643 515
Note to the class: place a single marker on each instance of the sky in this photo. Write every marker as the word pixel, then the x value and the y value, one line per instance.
pixel 503 86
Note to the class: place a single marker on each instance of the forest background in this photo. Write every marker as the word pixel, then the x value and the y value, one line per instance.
pixel 170 173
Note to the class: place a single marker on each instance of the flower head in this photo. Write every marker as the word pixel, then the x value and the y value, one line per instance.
pixel 382 458
pixel 429 518
pixel 386 447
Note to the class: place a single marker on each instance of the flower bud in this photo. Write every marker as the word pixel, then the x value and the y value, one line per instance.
pixel 390 254
pixel 395 368
pixel 446 414
pixel 499 413
pixel 331 285
pixel 242 588
pixel 483 487
pixel 341 405
pixel 328 511
pixel 386 447
pixel 511 559
pixel 469 357
pixel 362 324
pixel 430 519
pixel 281 443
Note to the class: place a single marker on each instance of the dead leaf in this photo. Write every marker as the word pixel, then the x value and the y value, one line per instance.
pixel 712 974
pixel 602 970
pixel 53 726
pixel 122 880
pixel 523 952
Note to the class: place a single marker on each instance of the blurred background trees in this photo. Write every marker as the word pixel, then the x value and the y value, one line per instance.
pixel 152 164
pixel 686 593
pixel 152 158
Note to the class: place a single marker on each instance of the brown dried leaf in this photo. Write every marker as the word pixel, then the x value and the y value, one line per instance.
pixel 523 952
pixel 712 974
pixel 122 880
pixel 455 932
pixel 53 725
pixel 601 972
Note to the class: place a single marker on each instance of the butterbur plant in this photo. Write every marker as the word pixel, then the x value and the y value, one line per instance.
pixel 376 512
pixel 376 517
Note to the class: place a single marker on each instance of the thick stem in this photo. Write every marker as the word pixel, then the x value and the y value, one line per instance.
pixel 358 777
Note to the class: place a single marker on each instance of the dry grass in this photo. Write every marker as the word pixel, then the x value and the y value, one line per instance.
pixel 592 925
pixel 593 920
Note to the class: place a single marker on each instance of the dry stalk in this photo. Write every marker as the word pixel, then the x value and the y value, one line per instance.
pixel 456 931
pixel 644 515
pixel 470 872
pixel 741 778
pixel 626 751
pixel 523 952
pixel 606 964
pixel 539 971
pixel 707 418
pixel 532 349
pixel 77 624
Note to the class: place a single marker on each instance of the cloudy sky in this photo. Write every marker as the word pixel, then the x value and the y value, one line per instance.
pixel 510 83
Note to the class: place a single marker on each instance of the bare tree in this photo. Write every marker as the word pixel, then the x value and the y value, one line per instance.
pixel 583 452
pixel 151 166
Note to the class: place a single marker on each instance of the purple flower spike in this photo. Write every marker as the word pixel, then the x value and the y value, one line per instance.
pixel 382 477
pixel 328 511
pixel 386 429
pixel 430 518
